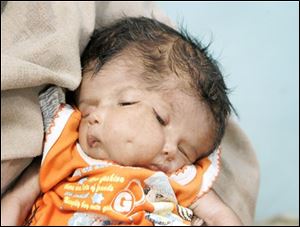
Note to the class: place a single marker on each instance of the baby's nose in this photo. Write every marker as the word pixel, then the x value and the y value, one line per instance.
pixel 94 118
pixel 170 152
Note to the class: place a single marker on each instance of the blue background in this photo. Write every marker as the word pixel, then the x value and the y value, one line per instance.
pixel 257 44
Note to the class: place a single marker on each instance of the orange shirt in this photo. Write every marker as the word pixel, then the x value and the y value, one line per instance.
pixel 78 190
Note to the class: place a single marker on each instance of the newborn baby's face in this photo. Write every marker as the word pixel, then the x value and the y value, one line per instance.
pixel 124 122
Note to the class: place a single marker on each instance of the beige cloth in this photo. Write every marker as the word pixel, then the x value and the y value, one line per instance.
pixel 238 182
pixel 41 44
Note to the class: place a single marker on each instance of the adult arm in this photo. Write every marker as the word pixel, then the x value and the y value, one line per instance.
pixel 213 211
pixel 17 202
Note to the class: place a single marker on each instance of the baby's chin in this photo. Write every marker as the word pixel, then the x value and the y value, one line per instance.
pixel 162 168
pixel 94 152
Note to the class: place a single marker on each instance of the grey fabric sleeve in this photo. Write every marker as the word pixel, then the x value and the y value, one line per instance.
pixel 50 100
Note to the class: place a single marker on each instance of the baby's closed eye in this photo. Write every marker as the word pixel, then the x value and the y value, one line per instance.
pixel 128 103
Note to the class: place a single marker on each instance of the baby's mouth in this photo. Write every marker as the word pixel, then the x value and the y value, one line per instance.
pixel 93 141
pixel 162 168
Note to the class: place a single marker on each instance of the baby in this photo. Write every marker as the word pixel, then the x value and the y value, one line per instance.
pixel 142 144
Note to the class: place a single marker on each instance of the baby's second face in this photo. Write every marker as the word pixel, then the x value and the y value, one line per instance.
pixel 124 122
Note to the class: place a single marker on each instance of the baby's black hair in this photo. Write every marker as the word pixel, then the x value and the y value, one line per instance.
pixel 161 50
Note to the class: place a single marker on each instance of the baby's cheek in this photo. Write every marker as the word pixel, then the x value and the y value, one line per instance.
pixel 136 131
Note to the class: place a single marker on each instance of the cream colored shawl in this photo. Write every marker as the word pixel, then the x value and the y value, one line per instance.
pixel 41 44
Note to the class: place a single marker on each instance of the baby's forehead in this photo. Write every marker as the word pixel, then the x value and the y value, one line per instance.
pixel 161 77
pixel 122 69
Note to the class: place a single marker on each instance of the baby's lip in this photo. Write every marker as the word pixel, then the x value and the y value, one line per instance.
pixel 157 167
pixel 92 141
